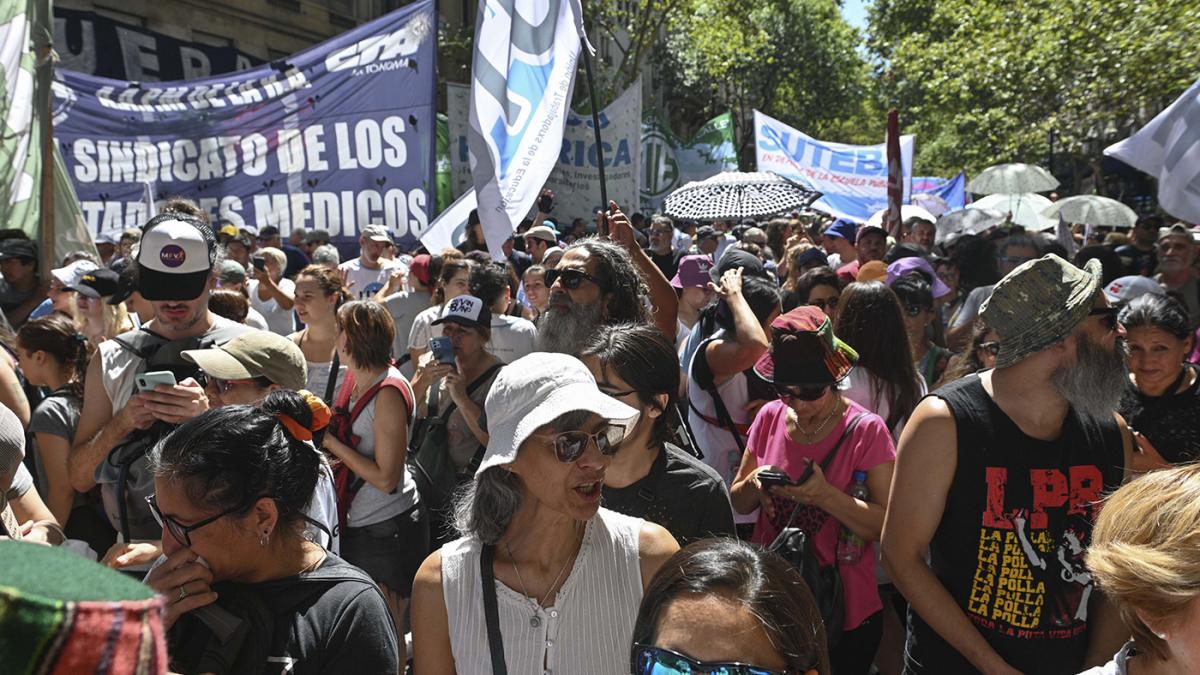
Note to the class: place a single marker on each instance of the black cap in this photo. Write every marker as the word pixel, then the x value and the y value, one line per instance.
pixel 97 284
pixel 734 258
pixel 316 235
pixel 705 232
pixel 126 285
pixel 17 248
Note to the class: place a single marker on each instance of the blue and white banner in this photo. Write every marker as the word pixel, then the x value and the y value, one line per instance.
pixel 1168 148
pixel 952 191
pixel 336 137
pixel 522 75
pixel 852 178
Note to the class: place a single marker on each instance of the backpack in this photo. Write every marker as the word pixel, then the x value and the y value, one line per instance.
pixel 346 483
pixel 124 475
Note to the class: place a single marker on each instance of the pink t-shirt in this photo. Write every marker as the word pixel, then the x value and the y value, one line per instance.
pixel 869 445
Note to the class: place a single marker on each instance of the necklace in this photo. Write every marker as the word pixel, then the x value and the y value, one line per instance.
pixel 824 423
pixel 534 619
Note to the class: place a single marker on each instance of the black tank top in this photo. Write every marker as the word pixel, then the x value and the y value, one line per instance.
pixel 1010 546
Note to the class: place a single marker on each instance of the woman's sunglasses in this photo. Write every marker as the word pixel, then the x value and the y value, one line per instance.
pixel 570 445
pixel 992 348
pixel 659 661
pixel 571 279
pixel 800 393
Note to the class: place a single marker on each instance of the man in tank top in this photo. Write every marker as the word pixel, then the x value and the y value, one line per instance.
pixel 999 477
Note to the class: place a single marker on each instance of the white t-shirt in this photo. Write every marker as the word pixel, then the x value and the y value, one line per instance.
pixel 422 328
pixel 364 282
pixel 255 320
pixel 512 337
pixel 278 319
pixel 859 386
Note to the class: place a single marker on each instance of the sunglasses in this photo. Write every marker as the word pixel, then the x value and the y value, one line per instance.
pixel 181 532
pixel 223 386
pixel 800 393
pixel 570 445
pixel 571 279
pixel 658 661
pixel 915 310
pixel 831 303
pixel 1108 316
pixel 992 348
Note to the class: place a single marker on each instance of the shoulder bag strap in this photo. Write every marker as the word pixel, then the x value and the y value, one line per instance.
pixel 490 611
pixel 703 376
pixel 331 382
pixel 471 388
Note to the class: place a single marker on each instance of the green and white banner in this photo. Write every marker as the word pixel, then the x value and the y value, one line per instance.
pixel 669 162
pixel 25 27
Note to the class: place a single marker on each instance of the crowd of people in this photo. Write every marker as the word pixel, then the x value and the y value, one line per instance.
pixel 798 445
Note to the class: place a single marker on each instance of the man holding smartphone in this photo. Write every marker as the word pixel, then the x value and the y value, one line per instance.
pixel 117 424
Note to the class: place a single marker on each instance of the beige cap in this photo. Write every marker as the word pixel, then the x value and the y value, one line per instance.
pixel 254 354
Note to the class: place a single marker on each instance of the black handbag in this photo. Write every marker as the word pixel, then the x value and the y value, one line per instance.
pixel 824 581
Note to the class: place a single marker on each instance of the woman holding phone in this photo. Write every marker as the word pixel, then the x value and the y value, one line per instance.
pixel 805 452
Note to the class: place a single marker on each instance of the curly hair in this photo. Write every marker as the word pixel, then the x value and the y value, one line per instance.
pixel 625 284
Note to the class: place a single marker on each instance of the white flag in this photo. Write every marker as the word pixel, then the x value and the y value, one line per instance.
pixel 1168 148
pixel 522 76
pixel 449 229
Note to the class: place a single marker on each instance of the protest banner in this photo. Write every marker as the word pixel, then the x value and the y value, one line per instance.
pixel 669 162
pixel 853 179
pixel 953 191
pixel 522 76
pixel 1168 148
pixel 576 176
pixel 91 43
pixel 335 138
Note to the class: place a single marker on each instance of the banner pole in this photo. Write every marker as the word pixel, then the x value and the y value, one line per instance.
pixel 587 69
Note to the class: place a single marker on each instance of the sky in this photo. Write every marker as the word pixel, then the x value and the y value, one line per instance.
pixel 855 12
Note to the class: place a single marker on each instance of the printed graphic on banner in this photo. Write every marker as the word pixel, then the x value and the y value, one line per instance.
pixel 852 178
pixel 669 162
pixel 576 177
pixel 952 191
pixel 1030 580
pixel 335 138
pixel 97 45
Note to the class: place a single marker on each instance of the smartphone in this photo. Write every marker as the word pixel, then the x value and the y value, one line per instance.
pixel 769 479
pixel 259 263
pixel 147 381
pixel 442 348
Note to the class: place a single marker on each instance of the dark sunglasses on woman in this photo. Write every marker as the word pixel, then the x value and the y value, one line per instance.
pixel 570 445
pixel 992 348
pixel 571 279
pixel 659 661
pixel 800 393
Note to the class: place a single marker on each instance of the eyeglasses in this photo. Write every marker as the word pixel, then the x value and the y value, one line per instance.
pixel 915 310
pixel 659 661
pixel 223 386
pixel 831 303
pixel 570 445
pixel 992 348
pixel 800 393
pixel 571 279
pixel 1108 316
pixel 181 532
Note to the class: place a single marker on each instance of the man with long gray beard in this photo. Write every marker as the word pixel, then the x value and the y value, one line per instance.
pixel 595 283
pixel 999 477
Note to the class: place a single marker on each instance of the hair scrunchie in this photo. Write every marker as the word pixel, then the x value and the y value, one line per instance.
pixel 320 417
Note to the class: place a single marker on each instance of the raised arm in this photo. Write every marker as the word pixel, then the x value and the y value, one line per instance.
pixel 662 295
pixel 735 353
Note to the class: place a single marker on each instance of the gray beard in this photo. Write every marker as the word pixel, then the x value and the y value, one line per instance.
pixel 1094 383
pixel 564 327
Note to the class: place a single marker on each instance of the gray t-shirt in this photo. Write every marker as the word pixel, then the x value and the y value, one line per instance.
pixel 461 443
pixel 371 505
pixel 970 307
pixel 56 415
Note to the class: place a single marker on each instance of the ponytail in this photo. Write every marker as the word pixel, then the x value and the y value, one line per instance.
pixel 57 336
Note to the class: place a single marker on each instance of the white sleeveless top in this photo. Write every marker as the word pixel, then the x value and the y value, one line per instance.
pixel 588 629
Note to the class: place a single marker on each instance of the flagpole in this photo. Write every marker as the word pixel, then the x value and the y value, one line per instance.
pixel 587 69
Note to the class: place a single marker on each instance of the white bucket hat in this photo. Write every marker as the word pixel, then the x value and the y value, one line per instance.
pixel 535 390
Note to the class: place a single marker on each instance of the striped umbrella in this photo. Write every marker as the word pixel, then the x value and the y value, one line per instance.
pixel 735 194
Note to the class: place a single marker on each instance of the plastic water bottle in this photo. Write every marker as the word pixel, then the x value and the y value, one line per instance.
pixel 850 545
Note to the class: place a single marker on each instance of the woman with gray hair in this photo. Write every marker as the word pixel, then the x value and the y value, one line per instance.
pixel 561 578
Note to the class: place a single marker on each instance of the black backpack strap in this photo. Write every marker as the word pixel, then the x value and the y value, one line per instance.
pixel 331 381
pixel 702 375
pixel 491 612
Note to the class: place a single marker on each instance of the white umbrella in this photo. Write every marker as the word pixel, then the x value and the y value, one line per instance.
pixel 1012 179
pixel 906 211
pixel 931 203
pixel 734 194
pixel 1093 210
pixel 966 221
pixel 1022 209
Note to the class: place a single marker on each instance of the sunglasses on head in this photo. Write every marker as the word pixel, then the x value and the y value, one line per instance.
pixel 800 393
pixel 571 279
pixel 659 661
pixel 569 446
pixel 1108 316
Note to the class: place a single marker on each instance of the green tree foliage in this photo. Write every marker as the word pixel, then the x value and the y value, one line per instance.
pixel 792 59
pixel 987 81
